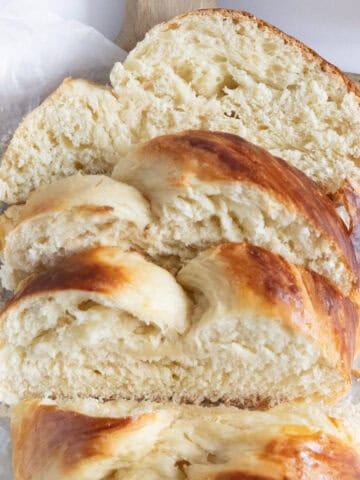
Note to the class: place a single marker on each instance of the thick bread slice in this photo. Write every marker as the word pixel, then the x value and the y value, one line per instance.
pixel 227 70
pixel 215 70
pixel 76 129
pixel 203 188
pixel 208 187
pixel 108 324
pixel 72 214
pixel 125 440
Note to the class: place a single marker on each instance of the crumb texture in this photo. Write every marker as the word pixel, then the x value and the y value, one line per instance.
pixel 218 70
pixel 179 194
pixel 238 325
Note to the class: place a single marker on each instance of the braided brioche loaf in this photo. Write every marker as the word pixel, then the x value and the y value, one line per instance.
pixel 124 440
pixel 240 325
pixel 201 188
pixel 214 70
pixel 248 324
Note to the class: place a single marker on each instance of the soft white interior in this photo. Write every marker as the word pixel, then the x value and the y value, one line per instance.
pixel 64 345
pixel 206 71
pixel 189 219
pixel 77 129
pixel 69 215
pixel 179 223
pixel 45 239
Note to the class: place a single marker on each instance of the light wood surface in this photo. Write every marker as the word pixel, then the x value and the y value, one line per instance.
pixel 355 77
pixel 141 15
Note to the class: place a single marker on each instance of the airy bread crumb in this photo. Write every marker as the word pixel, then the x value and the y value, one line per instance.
pixel 214 70
pixel 240 326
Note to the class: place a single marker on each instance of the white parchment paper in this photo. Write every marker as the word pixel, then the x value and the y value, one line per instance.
pixel 38 50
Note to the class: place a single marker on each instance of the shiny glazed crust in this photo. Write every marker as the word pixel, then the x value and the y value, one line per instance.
pixel 63 443
pixel 301 298
pixel 223 157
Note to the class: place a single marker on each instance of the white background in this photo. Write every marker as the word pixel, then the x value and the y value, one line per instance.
pixel 332 27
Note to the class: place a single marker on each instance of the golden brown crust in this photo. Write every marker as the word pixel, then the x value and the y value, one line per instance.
pixel 302 457
pixel 340 315
pixel 95 209
pixel 314 452
pixel 262 271
pixel 39 209
pixel 237 475
pixel 350 198
pixel 43 434
pixel 84 193
pixel 304 299
pixel 217 156
pixel 87 271
pixel 308 53
pixel 58 443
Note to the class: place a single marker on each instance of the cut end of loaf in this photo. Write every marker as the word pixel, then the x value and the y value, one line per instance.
pixel 146 440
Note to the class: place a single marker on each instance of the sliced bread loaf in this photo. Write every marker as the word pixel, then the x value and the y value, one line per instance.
pixel 227 70
pixel 251 329
pixel 125 440
pixel 203 188
pixel 213 69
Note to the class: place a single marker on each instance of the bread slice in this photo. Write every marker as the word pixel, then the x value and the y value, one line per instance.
pixel 76 129
pixel 203 188
pixel 212 69
pixel 126 440
pixel 209 187
pixel 227 70
pixel 72 214
pixel 251 329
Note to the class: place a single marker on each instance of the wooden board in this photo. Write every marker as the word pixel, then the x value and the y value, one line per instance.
pixel 141 15
pixel 355 77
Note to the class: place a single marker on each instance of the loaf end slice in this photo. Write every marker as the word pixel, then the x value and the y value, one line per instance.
pixel 119 440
